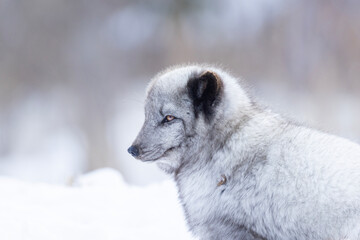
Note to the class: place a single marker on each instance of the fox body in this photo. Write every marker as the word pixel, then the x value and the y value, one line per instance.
pixel 242 171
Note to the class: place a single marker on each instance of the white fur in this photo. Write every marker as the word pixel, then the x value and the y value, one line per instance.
pixel 284 181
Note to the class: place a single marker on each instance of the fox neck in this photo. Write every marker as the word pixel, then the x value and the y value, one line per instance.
pixel 209 139
pixel 250 132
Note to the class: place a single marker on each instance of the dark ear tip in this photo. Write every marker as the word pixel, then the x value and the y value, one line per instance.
pixel 213 77
pixel 210 74
pixel 208 83
pixel 205 90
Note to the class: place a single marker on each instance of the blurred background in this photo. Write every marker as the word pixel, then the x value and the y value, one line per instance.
pixel 73 73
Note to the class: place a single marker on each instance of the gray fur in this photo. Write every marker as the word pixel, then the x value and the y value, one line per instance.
pixel 283 180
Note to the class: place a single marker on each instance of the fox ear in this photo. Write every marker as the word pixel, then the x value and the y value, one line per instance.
pixel 205 92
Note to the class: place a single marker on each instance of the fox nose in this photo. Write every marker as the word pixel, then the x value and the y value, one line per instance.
pixel 134 151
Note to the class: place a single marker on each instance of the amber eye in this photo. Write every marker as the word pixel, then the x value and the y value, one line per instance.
pixel 169 118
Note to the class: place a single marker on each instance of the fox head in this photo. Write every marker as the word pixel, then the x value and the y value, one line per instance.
pixel 183 107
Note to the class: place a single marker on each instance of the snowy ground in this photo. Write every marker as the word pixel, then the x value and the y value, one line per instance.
pixel 98 206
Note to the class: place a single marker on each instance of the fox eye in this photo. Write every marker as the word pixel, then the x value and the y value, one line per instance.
pixel 168 118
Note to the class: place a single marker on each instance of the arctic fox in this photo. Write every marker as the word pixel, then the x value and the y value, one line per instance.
pixel 242 171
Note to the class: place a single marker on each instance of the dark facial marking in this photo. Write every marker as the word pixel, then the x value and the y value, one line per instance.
pixel 205 91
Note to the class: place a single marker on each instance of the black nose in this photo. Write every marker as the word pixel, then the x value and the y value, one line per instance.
pixel 134 151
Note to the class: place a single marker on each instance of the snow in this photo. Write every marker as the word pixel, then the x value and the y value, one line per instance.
pixel 97 206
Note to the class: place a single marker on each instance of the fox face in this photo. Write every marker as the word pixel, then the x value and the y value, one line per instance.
pixel 179 104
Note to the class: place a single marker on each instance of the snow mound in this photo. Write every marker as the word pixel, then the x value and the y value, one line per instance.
pixel 99 206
